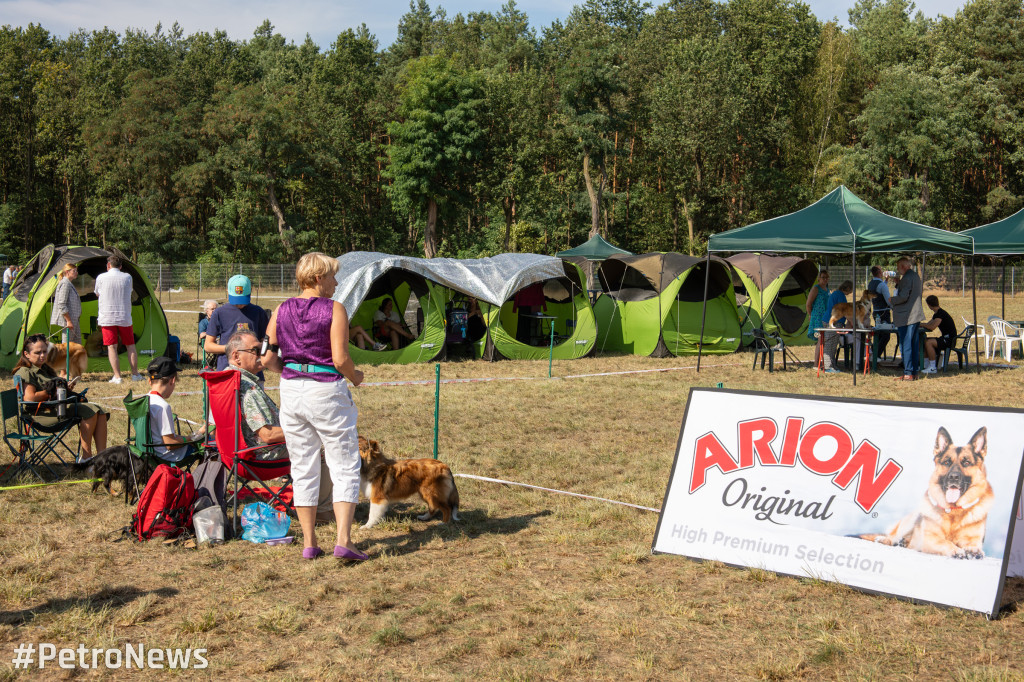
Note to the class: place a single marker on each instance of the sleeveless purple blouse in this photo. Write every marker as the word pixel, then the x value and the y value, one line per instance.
pixel 304 335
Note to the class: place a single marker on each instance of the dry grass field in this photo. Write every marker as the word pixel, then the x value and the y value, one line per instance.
pixel 529 585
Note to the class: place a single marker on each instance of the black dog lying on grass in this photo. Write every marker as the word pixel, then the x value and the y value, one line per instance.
pixel 118 464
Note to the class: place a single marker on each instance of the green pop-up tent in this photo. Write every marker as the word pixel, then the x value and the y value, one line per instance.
pixel 1001 239
pixel 775 290
pixel 27 309
pixel 840 222
pixel 652 305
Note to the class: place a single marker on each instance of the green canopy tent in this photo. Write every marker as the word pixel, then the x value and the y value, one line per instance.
pixel 27 309
pixel 1000 239
pixel 652 302
pixel 840 222
pixel 772 291
pixel 590 253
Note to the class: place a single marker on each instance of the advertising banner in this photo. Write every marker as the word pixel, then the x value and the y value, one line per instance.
pixel 911 500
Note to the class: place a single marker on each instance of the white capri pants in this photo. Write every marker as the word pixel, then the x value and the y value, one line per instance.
pixel 315 413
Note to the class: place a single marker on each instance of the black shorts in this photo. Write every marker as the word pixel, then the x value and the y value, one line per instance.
pixel 943 342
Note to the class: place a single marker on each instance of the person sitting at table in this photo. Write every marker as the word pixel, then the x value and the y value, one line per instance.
pixel 475 325
pixel 831 341
pixel 388 326
pixel 946 338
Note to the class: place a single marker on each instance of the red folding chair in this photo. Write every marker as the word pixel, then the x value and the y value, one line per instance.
pixel 225 407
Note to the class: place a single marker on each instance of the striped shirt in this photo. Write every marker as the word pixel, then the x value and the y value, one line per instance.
pixel 66 300
pixel 114 290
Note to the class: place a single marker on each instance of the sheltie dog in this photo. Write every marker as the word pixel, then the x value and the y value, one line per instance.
pixel 845 310
pixel 56 358
pixel 384 480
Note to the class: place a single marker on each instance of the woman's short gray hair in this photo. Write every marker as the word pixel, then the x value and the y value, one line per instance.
pixel 210 303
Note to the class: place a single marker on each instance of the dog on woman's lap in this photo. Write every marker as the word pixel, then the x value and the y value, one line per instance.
pixel 384 480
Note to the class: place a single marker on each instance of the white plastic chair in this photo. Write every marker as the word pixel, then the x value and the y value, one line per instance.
pixel 980 334
pixel 1006 334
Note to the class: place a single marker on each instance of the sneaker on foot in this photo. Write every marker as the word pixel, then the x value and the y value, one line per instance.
pixel 379 346
pixel 929 370
pixel 137 377
pixel 831 370
pixel 115 380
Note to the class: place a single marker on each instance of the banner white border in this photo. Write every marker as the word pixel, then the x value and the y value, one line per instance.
pixel 993 613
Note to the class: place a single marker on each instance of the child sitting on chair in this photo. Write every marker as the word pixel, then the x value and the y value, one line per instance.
pixel 163 376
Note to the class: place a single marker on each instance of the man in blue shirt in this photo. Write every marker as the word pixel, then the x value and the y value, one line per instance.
pixel 238 315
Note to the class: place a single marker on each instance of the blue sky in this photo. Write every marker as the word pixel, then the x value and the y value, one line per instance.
pixel 321 19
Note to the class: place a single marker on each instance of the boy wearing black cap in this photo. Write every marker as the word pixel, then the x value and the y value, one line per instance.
pixel 163 376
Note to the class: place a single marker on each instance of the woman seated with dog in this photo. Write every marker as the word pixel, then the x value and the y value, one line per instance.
pixel 388 326
pixel 38 380
pixel 831 340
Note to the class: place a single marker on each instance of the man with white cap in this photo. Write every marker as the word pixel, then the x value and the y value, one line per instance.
pixel 238 315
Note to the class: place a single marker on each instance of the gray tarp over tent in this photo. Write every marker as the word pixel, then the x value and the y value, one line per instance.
pixel 492 280
pixel 840 222
pixel 1000 239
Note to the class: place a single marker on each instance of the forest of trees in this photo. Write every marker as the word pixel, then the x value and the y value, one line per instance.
pixel 475 135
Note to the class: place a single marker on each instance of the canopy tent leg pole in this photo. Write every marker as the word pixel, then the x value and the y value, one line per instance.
pixel 853 296
pixel 704 307
pixel 974 305
pixel 1002 287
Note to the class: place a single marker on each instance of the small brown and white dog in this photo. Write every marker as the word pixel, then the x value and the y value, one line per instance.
pixel 56 358
pixel 384 480
pixel 844 310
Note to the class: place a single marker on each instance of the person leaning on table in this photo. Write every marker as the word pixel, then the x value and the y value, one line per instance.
pixel 907 315
pixel 311 332
pixel 831 340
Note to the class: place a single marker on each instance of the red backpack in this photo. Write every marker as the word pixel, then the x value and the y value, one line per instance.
pixel 165 506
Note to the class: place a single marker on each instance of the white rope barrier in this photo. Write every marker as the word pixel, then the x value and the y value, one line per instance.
pixel 553 490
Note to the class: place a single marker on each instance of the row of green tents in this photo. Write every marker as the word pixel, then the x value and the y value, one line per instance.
pixel 649 304
pixel 597 297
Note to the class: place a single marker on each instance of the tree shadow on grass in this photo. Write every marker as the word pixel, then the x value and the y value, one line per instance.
pixel 106 597
pixel 471 524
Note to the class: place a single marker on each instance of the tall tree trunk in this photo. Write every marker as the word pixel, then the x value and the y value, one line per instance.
pixel 283 231
pixel 430 233
pixel 508 207
pixel 689 224
pixel 595 196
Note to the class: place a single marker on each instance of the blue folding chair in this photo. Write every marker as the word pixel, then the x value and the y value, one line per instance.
pixel 34 439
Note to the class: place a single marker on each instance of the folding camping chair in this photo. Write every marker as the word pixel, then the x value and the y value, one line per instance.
pixel 139 438
pixel 35 439
pixel 224 388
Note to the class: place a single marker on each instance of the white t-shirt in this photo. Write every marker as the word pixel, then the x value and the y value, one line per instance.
pixel 114 293
pixel 161 423
pixel 8 276
pixel 380 317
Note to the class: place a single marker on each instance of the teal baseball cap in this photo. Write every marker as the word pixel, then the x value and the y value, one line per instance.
pixel 239 289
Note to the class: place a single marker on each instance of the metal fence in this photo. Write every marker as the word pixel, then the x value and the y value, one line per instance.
pixel 213 277
pixel 280 277
pixel 953 278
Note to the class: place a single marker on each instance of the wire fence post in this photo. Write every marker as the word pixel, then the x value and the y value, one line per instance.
pixel 437 402
pixel 200 281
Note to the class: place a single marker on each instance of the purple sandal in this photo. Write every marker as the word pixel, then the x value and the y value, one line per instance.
pixel 343 552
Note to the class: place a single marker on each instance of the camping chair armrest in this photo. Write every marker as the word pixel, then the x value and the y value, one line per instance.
pixel 255 448
pixel 70 400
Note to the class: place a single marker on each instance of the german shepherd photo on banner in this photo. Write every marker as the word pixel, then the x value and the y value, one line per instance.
pixel 950 519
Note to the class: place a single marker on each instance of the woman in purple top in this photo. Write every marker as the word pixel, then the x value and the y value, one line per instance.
pixel 316 406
